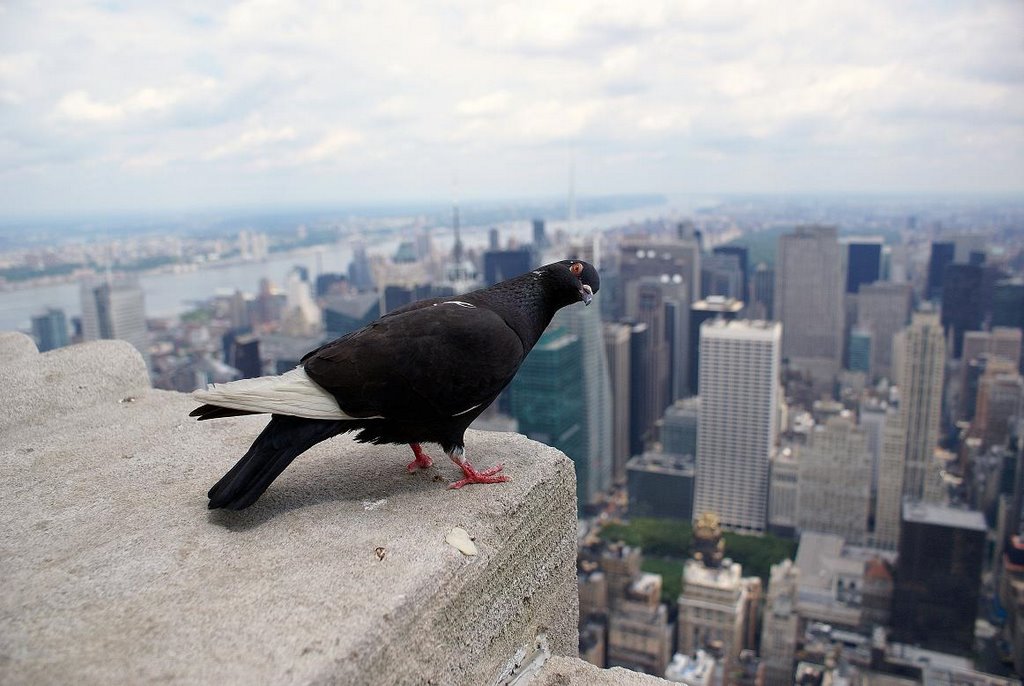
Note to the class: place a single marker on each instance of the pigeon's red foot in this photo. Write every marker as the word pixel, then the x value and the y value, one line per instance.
pixel 472 476
pixel 422 460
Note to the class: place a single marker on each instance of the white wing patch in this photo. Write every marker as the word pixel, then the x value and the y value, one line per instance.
pixel 293 393
pixel 460 303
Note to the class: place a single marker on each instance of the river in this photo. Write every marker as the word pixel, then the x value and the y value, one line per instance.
pixel 171 294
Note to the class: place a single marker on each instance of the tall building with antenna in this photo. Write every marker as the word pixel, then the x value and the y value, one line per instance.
pixel 460 272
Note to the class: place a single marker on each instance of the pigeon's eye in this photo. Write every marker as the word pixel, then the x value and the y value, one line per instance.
pixel 576 268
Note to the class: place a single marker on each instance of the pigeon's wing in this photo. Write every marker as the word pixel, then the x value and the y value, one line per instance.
pixel 435 361
pixel 419 304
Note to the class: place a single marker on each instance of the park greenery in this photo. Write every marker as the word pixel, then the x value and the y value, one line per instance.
pixel 666 544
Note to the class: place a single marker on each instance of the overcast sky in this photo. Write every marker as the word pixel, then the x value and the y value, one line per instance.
pixel 183 105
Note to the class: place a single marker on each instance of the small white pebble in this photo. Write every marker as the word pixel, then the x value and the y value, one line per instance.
pixel 460 540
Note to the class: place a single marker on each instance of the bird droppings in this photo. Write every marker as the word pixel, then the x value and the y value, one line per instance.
pixel 371 505
pixel 459 539
pixel 380 552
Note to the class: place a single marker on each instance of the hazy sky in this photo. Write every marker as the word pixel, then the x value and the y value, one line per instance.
pixel 182 105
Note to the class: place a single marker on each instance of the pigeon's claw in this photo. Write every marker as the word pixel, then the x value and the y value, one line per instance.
pixel 472 476
pixel 422 460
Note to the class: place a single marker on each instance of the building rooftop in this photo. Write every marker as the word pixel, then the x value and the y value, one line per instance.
pixel 757 329
pixel 663 463
pixel 940 515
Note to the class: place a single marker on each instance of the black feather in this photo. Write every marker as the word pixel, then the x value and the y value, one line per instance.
pixel 283 439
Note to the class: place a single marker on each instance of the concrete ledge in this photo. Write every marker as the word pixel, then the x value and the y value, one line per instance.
pixel 566 671
pixel 14 344
pixel 115 572
pixel 38 387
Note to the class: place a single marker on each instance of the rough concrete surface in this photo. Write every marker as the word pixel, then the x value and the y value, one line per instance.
pixel 571 671
pixel 114 571
pixel 14 344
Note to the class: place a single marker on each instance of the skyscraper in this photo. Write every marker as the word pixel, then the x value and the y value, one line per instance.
pixel 938 577
pixel 743 255
pixel 942 254
pixel 585 324
pixel 679 427
pixel 835 481
pixel 115 310
pixel 722 275
pixel 858 351
pixel 617 351
pixel 641 412
pixel 809 299
pixel 739 381
pixel 762 292
pixel 701 311
pixel 500 265
pixel 540 238
pixel 548 401
pixel 640 257
pixel 963 308
pixel 863 262
pixel 1008 303
pixel 1000 400
pixel 662 304
pixel 50 329
pixel 913 434
pixel 884 308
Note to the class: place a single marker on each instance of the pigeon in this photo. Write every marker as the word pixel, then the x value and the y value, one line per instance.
pixel 419 374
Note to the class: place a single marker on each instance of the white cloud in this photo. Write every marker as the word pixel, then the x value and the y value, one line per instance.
pixel 647 93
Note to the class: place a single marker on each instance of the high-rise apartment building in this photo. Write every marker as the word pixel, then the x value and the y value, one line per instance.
pixel 50 329
pixel 884 308
pixel 809 299
pixel 709 308
pixel 115 309
pixel 835 481
pixel 912 435
pixel 739 381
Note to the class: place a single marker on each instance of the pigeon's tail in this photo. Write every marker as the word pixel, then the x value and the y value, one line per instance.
pixel 284 439
pixel 292 393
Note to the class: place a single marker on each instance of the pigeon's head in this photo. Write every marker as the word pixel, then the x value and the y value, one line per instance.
pixel 575 277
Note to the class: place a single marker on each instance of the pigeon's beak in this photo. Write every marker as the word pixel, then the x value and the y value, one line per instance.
pixel 586 294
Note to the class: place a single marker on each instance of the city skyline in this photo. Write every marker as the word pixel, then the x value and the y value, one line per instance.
pixel 178 106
